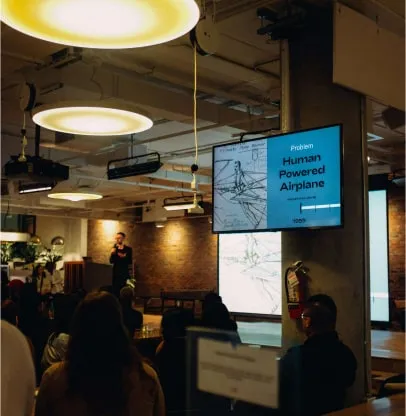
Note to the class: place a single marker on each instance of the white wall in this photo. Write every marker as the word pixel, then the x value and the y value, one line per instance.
pixel 73 230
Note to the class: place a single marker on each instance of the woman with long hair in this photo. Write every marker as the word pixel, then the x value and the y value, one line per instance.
pixel 103 374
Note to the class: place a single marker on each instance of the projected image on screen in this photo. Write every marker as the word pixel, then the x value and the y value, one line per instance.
pixel 249 268
pixel 378 256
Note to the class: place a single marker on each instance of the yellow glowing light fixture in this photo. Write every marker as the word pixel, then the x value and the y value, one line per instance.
pixel 76 196
pixel 103 24
pixel 91 118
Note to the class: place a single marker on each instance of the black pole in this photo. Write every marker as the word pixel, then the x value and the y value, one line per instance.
pixel 37 139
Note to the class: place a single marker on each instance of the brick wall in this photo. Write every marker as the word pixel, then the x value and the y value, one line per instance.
pixel 100 238
pixel 182 255
pixel 396 208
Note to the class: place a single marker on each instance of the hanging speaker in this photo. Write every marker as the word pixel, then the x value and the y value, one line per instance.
pixel 393 118
pixel 27 96
pixel 205 37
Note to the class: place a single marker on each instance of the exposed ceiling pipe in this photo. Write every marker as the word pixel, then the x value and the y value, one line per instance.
pixel 142 184
pixel 31 207
pixel 47 145
pixel 257 71
pixel 172 83
pixel 274 114
pixel 21 57
pixel 80 215
pixel 269 114
pixel 236 7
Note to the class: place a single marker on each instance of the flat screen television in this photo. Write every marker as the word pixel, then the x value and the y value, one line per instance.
pixel 279 182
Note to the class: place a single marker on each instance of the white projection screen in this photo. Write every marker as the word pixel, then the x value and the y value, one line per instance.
pixel 250 272
pixel 378 256
pixel 250 267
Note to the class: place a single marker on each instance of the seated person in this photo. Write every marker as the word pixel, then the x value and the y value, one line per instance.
pixel 5 293
pixel 171 357
pixel 57 344
pixel 102 374
pixel 14 290
pixel 211 298
pixel 33 323
pixel 132 318
pixel 314 376
pixel 9 313
pixel 215 315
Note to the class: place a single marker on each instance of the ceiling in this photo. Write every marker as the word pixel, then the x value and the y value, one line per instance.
pixel 238 90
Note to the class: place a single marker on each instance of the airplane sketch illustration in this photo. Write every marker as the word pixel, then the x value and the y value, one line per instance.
pixel 238 185
pixel 256 259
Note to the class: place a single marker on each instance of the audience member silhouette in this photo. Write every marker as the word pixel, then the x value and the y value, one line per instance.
pixel 57 344
pixel 9 312
pixel 103 374
pixel 171 357
pixel 216 315
pixel 211 298
pixel 5 293
pixel 318 372
pixel 132 318
pixel 33 324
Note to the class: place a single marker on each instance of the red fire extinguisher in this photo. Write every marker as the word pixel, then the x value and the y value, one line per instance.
pixel 296 289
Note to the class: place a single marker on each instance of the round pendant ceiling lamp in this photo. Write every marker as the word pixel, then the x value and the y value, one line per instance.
pixel 76 196
pixel 91 118
pixel 103 24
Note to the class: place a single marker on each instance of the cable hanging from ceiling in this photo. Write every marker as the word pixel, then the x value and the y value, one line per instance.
pixel 195 167
pixel 24 141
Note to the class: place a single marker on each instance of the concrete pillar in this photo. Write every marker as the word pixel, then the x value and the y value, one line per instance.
pixel 337 258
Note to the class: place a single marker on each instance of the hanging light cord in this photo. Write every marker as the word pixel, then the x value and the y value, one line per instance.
pixel 98 85
pixel 24 141
pixel 195 103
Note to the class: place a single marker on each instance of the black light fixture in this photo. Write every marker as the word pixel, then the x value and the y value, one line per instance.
pixel 134 165
pixel 181 202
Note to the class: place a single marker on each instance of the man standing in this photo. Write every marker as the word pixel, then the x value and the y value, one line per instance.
pixel 121 258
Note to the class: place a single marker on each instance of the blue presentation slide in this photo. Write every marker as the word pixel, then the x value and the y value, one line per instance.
pixel 279 182
pixel 304 185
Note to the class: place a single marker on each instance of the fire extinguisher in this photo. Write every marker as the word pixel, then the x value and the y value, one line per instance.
pixel 296 289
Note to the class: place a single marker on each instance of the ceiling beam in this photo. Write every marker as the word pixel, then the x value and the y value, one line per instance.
pixel 158 100
pixel 132 183
pixel 186 177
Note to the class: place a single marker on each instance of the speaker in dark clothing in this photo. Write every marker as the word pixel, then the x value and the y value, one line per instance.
pixel 121 258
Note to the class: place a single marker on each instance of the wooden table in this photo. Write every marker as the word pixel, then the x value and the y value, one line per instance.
pixel 389 406
pixel 388 351
pixel 147 342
